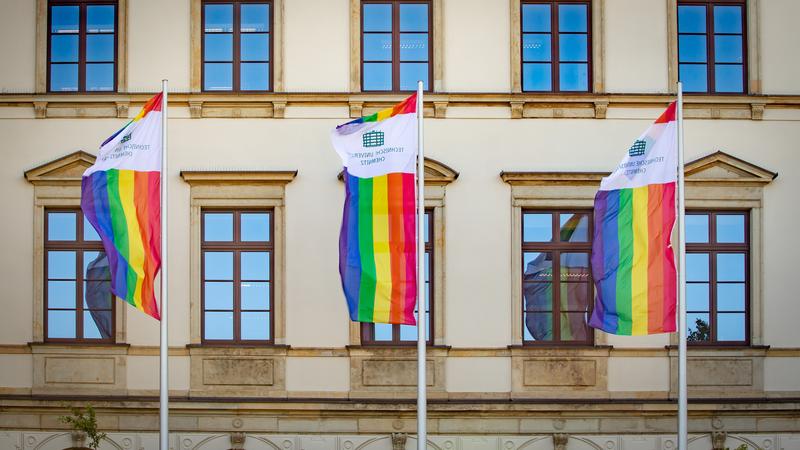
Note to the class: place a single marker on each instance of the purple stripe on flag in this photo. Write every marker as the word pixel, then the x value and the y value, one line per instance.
pixel 349 256
pixel 605 259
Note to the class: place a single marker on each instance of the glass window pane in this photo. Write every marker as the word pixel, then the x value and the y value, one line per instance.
pixel 255 326
pixel 408 333
pixel 377 76
pixel 100 18
pixel 95 266
pixel 218 77
pixel 97 295
pixel 694 77
pixel 727 19
pixel 218 47
pixel 697 267
pixel 219 18
pixel 255 47
pixel 572 18
pixel 536 47
pixel 218 325
pixel 691 48
pixel 61 226
pixel 538 266
pixel 696 228
pixel 255 227
pixel 61 294
pixel 63 77
pixel 255 18
pixel 97 325
pixel 699 329
pixel 730 267
pixel 538 296
pixel 730 327
pixel 64 19
pixel 575 296
pixel 572 47
pixel 255 265
pixel 218 227
pixel 382 332
pixel 574 326
pixel 728 49
pixel 691 19
pixel 218 265
pixel 697 297
pixel 730 296
pixel 574 227
pixel 427 265
pixel 218 295
pixel 64 48
pixel 730 228
pixel 535 18
pixel 254 76
pixel 61 264
pixel 255 295
pixel 728 78
pixel 89 233
pixel 573 77
pixel 61 324
pixel 377 17
pixel 377 47
pixel 539 326
pixel 574 267
pixel 537 77
pixel 413 17
pixel 537 227
pixel 100 77
pixel 426 229
pixel 411 73
pixel 414 47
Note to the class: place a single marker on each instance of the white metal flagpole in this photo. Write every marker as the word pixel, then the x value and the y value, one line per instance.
pixel 422 401
pixel 682 394
pixel 163 431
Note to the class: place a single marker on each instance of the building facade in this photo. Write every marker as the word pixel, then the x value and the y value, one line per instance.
pixel 529 104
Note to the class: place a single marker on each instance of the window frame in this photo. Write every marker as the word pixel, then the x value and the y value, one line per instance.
pixel 79 246
pixel 236 33
pixel 555 34
pixel 82 34
pixel 236 246
pixel 710 44
pixel 395 62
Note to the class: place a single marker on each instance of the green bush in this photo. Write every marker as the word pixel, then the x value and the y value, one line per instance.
pixel 85 421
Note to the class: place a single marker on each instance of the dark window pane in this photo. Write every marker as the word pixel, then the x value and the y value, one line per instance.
pixel 219 18
pixel 64 48
pixel 254 76
pixel 730 228
pixel 730 296
pixel 255 47
pixel 383 332
pixel 691 48
pixel 427 265
pixel 377 76
pixel 538 296
pixel 574 327
pixel 413 47
pixel 574 227
pixel 218 295
pixel 219 266
pixel 574 267
pixel 97 325
pixel 218 227
pixel 697 267
pixel 255 326
pixel 218 47
pixel 537 77
pixel 95 266
pixel 691 19
pixel 89 233
pixel 97 295
pixel 63 77
pixel 426 230
pixel 61 265
pixel 61 324
pixel 697 297
pixel 411 73
pixel 100 18
pixel 696 228
pixel 728 78
pixel 255 227
pixel 572 18
pixel 535 18
pixel 574 77
pixel 413 17
pixel 255 18
pixel 255 295
pixel 219 325
pixel 537 227
pixel 538 326
pixel 538 266
pixel 255 265
pixel 377 47
pixel 64 19
pixel 575 296
pixel 730 267
pixel 61 294
pixel 730 327
pixel 694 77
pixel 727 19
pixel 572 47
pixel 728 49
pixel 699 328
pixel 100 77
pixel 218 77
pixel 377 17
pixel 61 226
pixel 536 47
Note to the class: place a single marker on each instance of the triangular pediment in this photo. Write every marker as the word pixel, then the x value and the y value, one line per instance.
pixel 65 170
pixel 722 167
pixel 436 173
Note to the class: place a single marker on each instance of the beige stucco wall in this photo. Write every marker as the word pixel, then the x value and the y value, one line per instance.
pixel 630 374
pixel 158 45
pixel 18 46
pixel 317 374
pixel 485 374
pixel 779 43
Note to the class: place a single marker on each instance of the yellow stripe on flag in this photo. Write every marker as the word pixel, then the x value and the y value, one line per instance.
pixel 640 261
pixel 135 245
pixel 380 236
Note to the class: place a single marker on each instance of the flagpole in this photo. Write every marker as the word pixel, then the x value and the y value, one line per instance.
pixel 682 394
pixel 163 431
pixel 422 401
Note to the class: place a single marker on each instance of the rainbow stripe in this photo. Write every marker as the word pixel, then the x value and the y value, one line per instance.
pixel 407 106
pixel 124 206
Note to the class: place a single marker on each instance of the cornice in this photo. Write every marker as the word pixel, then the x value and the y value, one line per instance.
pixel 198 177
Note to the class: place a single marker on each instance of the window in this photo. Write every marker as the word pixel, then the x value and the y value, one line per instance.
pixel 556 46
pixel 711 46
pixel 237 45
pixel 556 281
pixel 395 45
pixel 82 46
pixel 717 274
pixel 389 334
pixel 236 265
pixel 79 306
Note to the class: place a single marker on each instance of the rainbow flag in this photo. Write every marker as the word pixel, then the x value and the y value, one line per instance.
pixel 634 213
pixel 120 197
pixel 377 242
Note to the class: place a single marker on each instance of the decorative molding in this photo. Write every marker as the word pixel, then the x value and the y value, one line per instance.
pixel 122 110
pixel 198 177
pixel 356 109
pixel 757 110
pixel 278 109
pixel 399 441
pixel 40 110
pixel 436 173
pixel 718 440
pixel 195 109
pixel 237 440
pixel 440 109
pixel 517 109
pixel 600 109
pixel 560 441
pixel 720 167
pixel 67 169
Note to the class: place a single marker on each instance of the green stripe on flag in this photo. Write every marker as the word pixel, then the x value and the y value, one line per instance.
pixel 120 227
pixel 366 292
pixel 625 233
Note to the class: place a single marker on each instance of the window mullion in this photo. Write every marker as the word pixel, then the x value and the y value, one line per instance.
pixel 395 46
pixel 710 57
pixel 82 48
